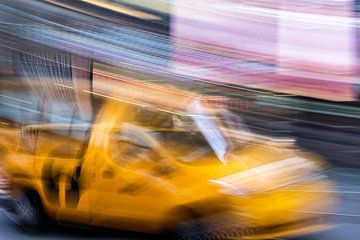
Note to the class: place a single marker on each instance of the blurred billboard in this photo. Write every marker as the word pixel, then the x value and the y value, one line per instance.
pixel 305 48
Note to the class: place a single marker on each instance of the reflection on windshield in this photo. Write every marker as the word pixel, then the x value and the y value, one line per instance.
pixel 209 129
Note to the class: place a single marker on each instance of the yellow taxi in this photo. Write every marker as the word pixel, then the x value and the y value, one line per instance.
pixel 196 173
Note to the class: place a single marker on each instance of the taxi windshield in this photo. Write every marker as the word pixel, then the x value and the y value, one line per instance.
pixel 197 133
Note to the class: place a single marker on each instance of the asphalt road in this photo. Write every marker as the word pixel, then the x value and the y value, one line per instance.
pixel 347 215
pixel 9 231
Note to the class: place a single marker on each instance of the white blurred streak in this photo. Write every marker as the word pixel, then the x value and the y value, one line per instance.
pixel 122 9
pixel 209 129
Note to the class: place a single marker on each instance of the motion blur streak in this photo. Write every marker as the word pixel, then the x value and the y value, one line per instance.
pixel 181 119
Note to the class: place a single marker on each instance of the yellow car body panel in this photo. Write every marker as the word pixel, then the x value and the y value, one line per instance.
pixel 149 187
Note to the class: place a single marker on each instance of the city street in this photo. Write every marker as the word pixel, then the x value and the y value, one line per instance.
pixel 105 97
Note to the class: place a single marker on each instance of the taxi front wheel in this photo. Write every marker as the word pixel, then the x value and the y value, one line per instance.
pixel 27 211
pixel 189 230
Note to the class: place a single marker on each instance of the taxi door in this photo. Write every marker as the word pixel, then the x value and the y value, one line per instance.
pixel 130 189
pixel 126 189
pixel 57 165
